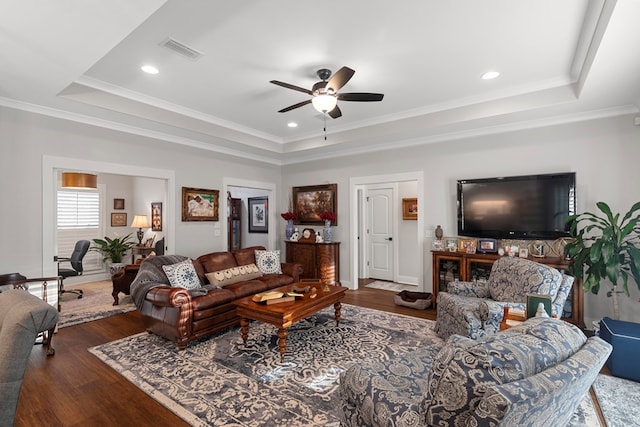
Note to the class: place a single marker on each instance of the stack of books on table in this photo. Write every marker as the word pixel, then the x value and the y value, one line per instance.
pixel 272 297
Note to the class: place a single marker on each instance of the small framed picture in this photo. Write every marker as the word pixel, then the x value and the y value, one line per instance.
pixel 410 208
pixel 451 244
pixel 118 219
pixel 523 253
pixel 258 214
pixel 487 246
pixel 118 204
pixel 467 245
pixel 156 216
pixel 438 245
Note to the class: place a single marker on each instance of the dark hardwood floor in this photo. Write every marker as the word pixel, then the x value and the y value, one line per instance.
pixel 74 388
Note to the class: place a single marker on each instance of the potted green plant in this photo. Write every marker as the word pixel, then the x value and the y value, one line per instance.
pixel 606 247
pixel 112 249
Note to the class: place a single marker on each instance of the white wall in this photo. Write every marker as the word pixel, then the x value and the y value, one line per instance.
pixel 604 153
pixel 26 138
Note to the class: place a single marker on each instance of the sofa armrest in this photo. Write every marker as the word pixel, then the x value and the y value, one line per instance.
pixel 292 269
pixel 458 314
pixel 479 289
pixel 547 398
pixel 166 296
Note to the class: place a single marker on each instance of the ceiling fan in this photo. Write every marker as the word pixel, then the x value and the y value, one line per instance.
pixel 325 94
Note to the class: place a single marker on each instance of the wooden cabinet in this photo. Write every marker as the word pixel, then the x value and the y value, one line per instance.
pixel 319 260
pixel 450 266
pixel 234 223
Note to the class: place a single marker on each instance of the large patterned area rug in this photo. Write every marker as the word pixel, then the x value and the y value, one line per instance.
pixel 218 381
pixel 96 303
pixel 619 400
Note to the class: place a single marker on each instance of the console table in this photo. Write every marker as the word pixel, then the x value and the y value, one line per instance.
pixel 319 260
pixel 450 266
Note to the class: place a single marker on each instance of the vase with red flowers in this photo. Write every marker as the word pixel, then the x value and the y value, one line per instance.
pixel 327 233
pixel 289 217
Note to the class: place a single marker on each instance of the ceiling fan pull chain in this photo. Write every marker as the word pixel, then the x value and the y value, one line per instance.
pixel 324 115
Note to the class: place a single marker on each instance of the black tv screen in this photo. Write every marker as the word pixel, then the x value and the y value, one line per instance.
pixel 517 207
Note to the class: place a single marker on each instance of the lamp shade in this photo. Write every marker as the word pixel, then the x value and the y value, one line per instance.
pixel 140 221
pixel 79 180
pixel 324 102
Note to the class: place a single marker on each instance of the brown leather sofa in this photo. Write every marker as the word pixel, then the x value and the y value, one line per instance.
pixel 182 316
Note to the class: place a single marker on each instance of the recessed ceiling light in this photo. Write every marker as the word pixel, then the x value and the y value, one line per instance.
pixel 292 124
pixel 490 75
pixel 149 69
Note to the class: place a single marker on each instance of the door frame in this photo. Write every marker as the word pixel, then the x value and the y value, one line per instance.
pixel 356 191
pixel 50 165
pixel 270 188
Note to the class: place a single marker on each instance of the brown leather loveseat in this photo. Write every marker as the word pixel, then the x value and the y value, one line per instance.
pixel 182 315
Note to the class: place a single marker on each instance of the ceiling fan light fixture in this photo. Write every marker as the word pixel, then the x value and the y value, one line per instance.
pixel 324 103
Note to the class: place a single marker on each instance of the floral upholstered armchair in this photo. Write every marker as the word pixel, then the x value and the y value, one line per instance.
pixel 475 309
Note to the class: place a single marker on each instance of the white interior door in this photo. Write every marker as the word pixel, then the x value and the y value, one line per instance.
pixel 380 233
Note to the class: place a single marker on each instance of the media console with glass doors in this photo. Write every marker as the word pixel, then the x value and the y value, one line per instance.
pixel 451 266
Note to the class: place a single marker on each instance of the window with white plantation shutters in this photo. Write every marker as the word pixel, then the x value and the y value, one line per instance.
pixel 78 218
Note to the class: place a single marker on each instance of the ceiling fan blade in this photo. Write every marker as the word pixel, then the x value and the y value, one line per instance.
pixel 290 86
pixel 294 106
pixel 340 79
pixel 360 97
pixel 335 113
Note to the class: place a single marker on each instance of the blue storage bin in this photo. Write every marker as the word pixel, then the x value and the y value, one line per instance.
pixel 625 339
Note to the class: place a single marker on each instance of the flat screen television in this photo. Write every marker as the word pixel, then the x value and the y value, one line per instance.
pixel 517 207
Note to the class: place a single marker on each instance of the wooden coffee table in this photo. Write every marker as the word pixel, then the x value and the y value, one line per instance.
pixel 283 315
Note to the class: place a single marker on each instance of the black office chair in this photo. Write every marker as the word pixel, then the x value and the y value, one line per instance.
pixel 79 251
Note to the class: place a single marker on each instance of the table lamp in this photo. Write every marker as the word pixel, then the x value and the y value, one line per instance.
pixel 140 221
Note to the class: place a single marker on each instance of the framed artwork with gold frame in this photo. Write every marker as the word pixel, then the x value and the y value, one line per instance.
pixel 199 204
pixel 467 245
pixel 310 201
pixel 410 208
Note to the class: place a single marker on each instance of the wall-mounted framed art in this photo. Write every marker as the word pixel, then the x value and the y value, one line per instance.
pixel 156 216
pixel 258 214
pixel 118 219
pixel 410 208
pixel 310 201
pixel 118 204
pixel 199 204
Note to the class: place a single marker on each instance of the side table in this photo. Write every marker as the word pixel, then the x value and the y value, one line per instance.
pixel 141 250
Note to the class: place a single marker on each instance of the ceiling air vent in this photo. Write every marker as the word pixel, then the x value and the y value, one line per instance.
pixel 181 48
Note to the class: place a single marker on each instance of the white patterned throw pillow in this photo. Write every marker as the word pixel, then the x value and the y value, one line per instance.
pixel 268 262
pixel 182 275
pixel 234 275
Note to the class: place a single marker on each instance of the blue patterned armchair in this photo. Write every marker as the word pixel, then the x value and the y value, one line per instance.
pixel 475 309
pixel 534 374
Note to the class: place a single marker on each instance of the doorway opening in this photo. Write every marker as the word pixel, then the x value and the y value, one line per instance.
pixel 361 239
pixel 53 165
pixel 245 189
